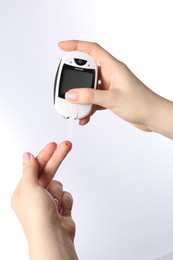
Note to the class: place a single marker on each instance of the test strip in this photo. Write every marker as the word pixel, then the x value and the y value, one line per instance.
pixel 70 128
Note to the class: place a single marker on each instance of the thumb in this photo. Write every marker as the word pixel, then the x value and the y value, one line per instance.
pixel 89 96
pixel 30 168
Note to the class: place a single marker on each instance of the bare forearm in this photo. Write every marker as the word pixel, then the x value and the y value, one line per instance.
pixel 161 120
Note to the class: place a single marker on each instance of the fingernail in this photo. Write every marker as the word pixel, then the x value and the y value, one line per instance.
pixel 71 96
pixel 26 157
pixel 61 42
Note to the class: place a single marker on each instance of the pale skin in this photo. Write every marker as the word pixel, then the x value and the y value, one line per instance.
pixel 41 205
pixel 121 92
pixel 43 208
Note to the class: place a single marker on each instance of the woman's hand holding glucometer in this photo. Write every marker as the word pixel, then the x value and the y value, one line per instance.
pixel 41 205
pixel 120 91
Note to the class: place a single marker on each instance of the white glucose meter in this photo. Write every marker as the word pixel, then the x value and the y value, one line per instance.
pixel 76 70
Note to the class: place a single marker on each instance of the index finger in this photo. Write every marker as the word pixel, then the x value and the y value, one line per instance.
pixel 93 49
pixel 45 154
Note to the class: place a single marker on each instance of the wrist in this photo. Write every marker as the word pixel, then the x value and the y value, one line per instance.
pixel 51 243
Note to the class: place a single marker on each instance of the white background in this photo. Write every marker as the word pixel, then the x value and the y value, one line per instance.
pixel 121 178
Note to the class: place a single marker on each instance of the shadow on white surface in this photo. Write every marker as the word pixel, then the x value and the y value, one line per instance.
pixel 166 257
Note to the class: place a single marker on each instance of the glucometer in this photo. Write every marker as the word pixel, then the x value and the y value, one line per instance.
pixel 76 70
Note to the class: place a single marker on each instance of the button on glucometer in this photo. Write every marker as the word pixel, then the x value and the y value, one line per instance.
pixel 80 62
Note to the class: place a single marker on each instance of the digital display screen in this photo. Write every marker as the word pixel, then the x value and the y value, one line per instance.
pixel 74 78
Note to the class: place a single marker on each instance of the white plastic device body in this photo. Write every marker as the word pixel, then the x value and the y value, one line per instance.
pixel 76 70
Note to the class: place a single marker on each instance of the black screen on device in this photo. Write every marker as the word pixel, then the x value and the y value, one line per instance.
pixel 74 77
